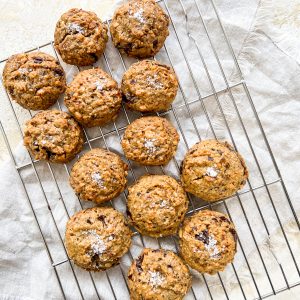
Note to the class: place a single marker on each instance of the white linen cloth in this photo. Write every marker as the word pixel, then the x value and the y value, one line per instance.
pixel 265 37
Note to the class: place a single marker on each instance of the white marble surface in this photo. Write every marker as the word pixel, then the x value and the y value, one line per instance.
pixel 26 24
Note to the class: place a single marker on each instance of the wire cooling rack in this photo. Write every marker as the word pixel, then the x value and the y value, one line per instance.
pixel 213 102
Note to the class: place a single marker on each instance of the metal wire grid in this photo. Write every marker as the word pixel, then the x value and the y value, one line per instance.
pixel 260 273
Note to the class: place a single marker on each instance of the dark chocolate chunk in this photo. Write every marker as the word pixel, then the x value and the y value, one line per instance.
pixel 138 263
pixel 233 232
pixel 38 60
pixel 102 219
pixel 59 72
pixel 89 221
pixel 203 237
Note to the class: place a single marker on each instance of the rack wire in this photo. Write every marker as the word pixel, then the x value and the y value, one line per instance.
pixel 213 103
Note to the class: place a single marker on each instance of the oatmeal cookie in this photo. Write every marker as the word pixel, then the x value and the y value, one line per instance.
pixel 96 238
pixel 93 98
pixel 149 86
pixel 150 141
pixel 139 28
pixel 53 135
pixel 99 176
pixel 158 275
pixel 208 241
pixel 156 205
pixel 213 170
pixel 34 80
pixel 80 37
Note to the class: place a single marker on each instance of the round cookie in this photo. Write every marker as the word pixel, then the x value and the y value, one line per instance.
pixel 158 275
pixel 139 28
pixel 96 238
pixel 53 135
pixel 80 37
pixel 149 86
pixel 98 176
pixel 213 170
pixel 207 241
pixel 93 98
pixel 150 141
pixel 156 205
pixel 34 80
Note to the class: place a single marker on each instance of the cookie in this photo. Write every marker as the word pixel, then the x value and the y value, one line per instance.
pixel 149 86
pixel 213 170
pixel 34 80
pixel 96 238
pixel 207 241
pixel 156 205
pixel 80 37
pixel 158 275
pixel 93 98
pixel 139 28
pixel 150 141
pixel 53 135
pixel 99 176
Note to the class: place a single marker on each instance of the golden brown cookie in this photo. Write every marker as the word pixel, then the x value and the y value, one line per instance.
pixel 34 80
pixel 99 176
pixel 150 141
pixel 139 28
pixel 158 275
pixel 96 238
pixel 93 98
pixel 149 86
pixel 53 135
pixel 213 170
pixel 207 241
pixel 80 37
pixel 156 205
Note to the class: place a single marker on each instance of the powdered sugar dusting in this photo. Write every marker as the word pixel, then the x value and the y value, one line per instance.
pixel 97 178
pixel 23 70
pixel 149 144
pixel 156 278
pixel 153 81
pixel 163 204
pixel 138 15
pixel 97 244
pixel 212 172
pixel 100 84
pixel 210 245
pixel 74 28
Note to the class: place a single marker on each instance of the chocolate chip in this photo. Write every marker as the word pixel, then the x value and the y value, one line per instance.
pixel 49 154
pixel 102 219
pixel 94 57
pixel 38 60
pixel 59 72
pixel 169 266
pixel 128 213
pixel 128 98
pixel 89 221
pixel 224 219
pixel 138 263
pixel 203 237
pixel 220 152
pixel 132 81
pixel 233 232
pixel 210 158
pixel 130 276
pixel 155 43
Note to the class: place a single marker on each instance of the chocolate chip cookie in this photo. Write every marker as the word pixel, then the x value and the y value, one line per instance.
pixel 96 238
pixel 158 275
pixel 139 28
pixel 213 170
pixel 149 86
pixel 93 98
pixel 99 176
pixel 80 37
pixel 150 141
pixel 208 241
pixel 53 135
pixel 34 80
pixel 156 205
